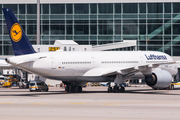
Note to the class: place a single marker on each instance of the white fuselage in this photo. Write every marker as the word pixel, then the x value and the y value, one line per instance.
pixel 73 65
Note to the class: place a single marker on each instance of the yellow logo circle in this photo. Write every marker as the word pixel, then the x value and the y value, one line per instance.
pixel 16 32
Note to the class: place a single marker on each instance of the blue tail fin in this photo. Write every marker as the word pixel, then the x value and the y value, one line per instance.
pixel 19 40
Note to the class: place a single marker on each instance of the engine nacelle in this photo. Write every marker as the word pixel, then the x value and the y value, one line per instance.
pixel 159 79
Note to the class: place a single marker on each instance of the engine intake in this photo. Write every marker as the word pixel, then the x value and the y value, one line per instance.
pixel 159 79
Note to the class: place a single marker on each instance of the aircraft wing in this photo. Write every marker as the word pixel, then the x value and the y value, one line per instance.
pixel 126 71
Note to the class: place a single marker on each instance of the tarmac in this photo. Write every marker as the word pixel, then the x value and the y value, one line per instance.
pixel 94 103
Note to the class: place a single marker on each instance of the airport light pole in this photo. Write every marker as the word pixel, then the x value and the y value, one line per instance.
pixel 38 23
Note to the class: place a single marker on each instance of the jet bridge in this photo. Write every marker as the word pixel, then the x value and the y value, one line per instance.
pixel 70 45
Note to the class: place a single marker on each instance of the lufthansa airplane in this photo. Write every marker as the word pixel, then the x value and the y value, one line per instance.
pixel 77 68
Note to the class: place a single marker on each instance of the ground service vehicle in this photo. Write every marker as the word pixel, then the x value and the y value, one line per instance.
pixel 175 84
pixel 38 85
pixel 2 80
pixel 10 80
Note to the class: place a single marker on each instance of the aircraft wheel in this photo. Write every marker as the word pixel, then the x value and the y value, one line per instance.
pixel 116 89
pixel 122 89
pixel 155 88
pixel 73 89
pixel 109 89
pixel 67 88
pixel 79 89
pixel 172 87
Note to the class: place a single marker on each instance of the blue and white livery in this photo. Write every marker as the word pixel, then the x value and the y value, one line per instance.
pixel 77 68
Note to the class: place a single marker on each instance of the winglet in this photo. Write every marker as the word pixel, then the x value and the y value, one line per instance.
pixel 19 40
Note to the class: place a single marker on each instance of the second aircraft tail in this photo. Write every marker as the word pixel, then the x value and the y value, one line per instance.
pixel 19 40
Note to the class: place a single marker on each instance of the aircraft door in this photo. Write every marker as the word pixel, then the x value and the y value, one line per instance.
pixel 53 63
pixel 94 62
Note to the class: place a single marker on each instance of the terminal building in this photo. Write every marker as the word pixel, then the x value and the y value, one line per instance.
pixel 155 24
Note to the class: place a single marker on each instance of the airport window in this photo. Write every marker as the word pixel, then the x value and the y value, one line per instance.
pixel 81 21
pixel 152 27
pixel 31 9
pixel 93 8
pixel 155 8
pixel 31 29
pixel 117 7
pixel 105 8
pixel 57 8
pixel 1 11
pixel 45 29
pixel 142 7
pixel 45 8
pixel 57 29
pixel 117 29
pixel 69 21
pixel 12 6
pixel 93 29
pixel 81 29
pixel 57 22
pixel 130 29
pixel 130 8
pixel 176 30
pixel 105 29
pixel 69 29
pixel 176 7
pixel 167 7
pixel 142 29
pixel 22 9
pixel 69 8
pixel 81 8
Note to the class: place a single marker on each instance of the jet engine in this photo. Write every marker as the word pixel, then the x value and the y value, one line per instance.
pixel 159 79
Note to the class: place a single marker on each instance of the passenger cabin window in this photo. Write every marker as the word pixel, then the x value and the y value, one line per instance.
pixel 65 49
pixel 117 62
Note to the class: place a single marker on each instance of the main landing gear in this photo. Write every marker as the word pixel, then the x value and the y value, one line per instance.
pixel 116 89
pixel 74 89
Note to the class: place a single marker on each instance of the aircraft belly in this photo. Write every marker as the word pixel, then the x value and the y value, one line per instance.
pixel 79 78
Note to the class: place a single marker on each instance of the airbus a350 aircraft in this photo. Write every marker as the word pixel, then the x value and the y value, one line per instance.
pixel 77 68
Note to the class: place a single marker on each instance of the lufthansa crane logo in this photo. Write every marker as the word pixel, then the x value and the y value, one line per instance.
pixel 16 32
